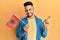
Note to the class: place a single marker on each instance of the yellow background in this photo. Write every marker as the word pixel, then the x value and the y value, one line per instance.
pixel 43 9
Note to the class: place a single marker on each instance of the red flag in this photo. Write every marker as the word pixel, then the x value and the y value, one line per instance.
pixel 13 22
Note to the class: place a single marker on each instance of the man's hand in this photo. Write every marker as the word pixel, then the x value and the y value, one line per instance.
pixel 46 22
pixel 25 29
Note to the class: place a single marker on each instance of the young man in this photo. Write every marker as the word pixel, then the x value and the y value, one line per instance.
pixel 31 27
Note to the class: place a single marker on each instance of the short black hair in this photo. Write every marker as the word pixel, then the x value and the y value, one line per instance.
pixel 28 3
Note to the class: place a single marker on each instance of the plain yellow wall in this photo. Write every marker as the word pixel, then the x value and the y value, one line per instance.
pixel 43 9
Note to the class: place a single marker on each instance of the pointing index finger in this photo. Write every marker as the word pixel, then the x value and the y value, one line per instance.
pixel 48 17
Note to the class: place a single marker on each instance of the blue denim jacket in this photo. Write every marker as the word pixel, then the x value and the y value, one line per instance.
pixel 40 30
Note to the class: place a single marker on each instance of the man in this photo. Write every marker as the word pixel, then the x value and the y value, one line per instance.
pixel 31 27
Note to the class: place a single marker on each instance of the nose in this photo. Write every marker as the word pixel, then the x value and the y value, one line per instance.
pixel 28 11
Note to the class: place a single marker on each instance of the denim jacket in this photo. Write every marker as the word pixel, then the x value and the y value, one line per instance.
pixel 41 32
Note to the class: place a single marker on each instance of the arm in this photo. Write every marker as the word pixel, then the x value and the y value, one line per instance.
pixel 43 30
pixel 19 32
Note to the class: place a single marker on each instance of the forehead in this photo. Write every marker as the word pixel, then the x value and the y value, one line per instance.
pixel 28 6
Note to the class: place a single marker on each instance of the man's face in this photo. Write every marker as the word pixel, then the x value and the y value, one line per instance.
pixel 29 10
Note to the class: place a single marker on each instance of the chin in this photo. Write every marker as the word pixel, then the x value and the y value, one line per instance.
pixel 29 15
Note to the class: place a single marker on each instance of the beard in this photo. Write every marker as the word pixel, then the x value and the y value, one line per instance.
pixel 29 16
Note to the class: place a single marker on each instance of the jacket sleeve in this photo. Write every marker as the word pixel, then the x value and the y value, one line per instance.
pixel 19 33
pixel 43 31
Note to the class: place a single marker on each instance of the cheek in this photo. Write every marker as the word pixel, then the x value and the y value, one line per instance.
pixel 32 11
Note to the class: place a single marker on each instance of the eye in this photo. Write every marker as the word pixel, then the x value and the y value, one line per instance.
pixel 26 10
pixel 29 9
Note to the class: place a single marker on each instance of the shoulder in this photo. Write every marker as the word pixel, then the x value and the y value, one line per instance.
pixel 38 19
pixel 23 19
